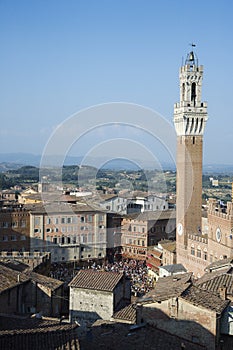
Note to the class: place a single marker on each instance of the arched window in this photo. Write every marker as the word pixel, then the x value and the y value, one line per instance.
pixel 193 93
pixel 192 250
pixel 183 91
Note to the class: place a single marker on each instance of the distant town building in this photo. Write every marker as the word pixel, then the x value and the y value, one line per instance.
pixel 8 195
pixel 133 203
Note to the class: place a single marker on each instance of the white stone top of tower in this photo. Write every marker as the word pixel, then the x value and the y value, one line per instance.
pixel 190 114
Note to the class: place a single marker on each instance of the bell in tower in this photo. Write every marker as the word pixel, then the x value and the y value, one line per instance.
pixel 191 56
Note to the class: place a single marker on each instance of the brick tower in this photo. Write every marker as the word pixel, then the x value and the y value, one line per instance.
pixel 190 116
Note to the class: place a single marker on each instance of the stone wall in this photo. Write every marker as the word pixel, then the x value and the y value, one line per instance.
pixel 183 319
pixel 90 305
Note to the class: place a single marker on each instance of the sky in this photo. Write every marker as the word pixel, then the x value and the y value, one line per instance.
pixel 60 57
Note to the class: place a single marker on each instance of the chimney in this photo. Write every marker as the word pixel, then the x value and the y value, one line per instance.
pixel 223 292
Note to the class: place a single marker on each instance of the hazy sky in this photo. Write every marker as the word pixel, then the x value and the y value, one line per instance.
pixel 60 56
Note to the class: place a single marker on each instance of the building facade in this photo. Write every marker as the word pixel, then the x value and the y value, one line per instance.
pixel 97 295
pixel 133 203
pixel 14 228
pixel 178 306
pixel 140 231
pixel 29 292
pixel 69 235
pixel 220 232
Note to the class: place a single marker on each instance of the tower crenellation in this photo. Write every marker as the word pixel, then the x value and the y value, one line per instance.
pixel 190 114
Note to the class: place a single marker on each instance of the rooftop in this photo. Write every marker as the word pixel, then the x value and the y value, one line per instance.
pixel 14 264
pixel 98 280
pixel 61 207
pixel 115 336
pixel 10 278
pixel 168 245
pixel 152 215
pixel 168 287
pixel 26 333
pixel 174 268
pixel 48 282
pixel 205 299
pixel 127 313
pixel 214 282
pixel 220 264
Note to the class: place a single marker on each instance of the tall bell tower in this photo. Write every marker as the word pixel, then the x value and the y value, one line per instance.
pixel 190 116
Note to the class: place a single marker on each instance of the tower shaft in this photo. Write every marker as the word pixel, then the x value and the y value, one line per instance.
pixel 190 116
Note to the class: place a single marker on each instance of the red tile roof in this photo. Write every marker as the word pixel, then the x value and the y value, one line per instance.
pixel 127 313
pixel 31 333
pixel 48 282
pixel 168 287
pixel 10 278
pixel 98 280
pixel 214 282
pixel 115 336
pixel 205 299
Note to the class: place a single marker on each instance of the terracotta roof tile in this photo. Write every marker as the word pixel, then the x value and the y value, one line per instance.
pixel 115 336
pixel 153 215
pixel 127 313
pixel 170 246
pixel 49 282
pixel 99 280
pixel 168 287
pixel 32 333
pixel 220 264
pixel 10 278
pixel 203 298
pixel 213 283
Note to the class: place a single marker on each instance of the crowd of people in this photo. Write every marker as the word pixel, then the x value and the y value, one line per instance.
pixel 62 272
pixel 137 271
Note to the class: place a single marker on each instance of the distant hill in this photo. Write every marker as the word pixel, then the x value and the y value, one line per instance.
pixel 11 161
pixel 20 158
pixel 5 166
pixel 16 160
pixel 218 168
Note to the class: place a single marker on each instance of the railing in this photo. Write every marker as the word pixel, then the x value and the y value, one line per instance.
pixel 27 255
pixel 198 238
